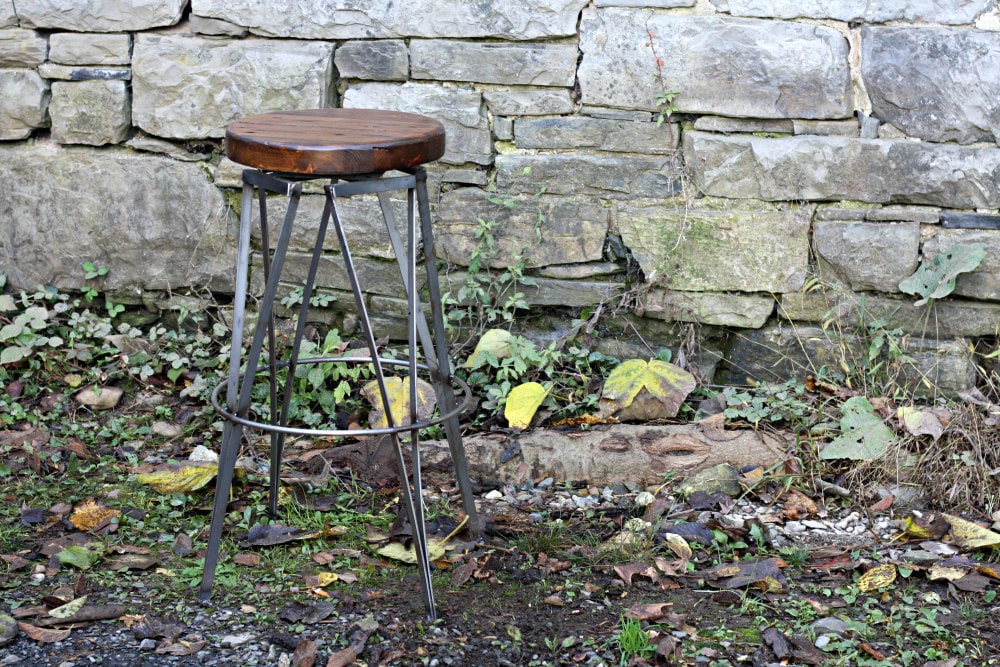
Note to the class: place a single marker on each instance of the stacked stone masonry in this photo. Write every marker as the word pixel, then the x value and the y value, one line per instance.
pixel 817 152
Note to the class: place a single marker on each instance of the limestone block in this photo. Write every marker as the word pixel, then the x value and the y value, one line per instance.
pixel 24 101
pixel 752 125
pixel 206 26
pixel 375 276
pixel 658 4
pixel 984 282
pixel 73 48
pixel 581 132
pixel 950 317
pixel 361 217
pixel 156 223
pixel 571 230
pixel 377 19
pixel 459 110
pixel 583 174
pixel 100 15
pixel 503 128
pixel 730 67
pixel 193 87
pixel 551 292
pixel 938 84
pixel 830 168
pixel 868 255
pixel 545 64
pixel 717 245
pixel 729 310
pixel 90 112
pixel 528 102
pixel 932 11
pixel 616 114
pixel 827 128
pixel 8 17
pixel 929 215
pixel 21 48
pixel 85 73
pixel 374 60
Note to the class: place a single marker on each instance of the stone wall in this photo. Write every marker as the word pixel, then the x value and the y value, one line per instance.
pixel 818 152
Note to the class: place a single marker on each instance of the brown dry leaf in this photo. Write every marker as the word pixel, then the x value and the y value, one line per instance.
pixel 461 574
pixel 678 545
pixel 249 560
pixel 878 577
pixel 180 647
pixel 764 574
pixel 989 570
pixel 626 571
pixel 798 505
pixel 554 600
pixel 14 562
pixel 91 515
pixel 648 612
pixel 43 635
pixel 884 504
pixel 132 562
pixel 305 654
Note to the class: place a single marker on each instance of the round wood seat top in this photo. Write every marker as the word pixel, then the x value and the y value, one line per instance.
pixel 335 142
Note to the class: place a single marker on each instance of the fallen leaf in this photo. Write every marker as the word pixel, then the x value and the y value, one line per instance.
pixel 398 391
pixel 132 562
pixel 864 436
pixel 494 344
pixel 99 398
pixel 92 515
pixel 305 654
pixel 68 609
pixel 920 422
pixel 554 601
pixel 248 560
pixel 627 571
pixel 678 545
pixel 932 527
pixel 80 557
pixel 180 477
pixel 522 404
pixel 8 629
pixel 43 635
pixel 648 612
pixel 969 535
pixel 878 577
pixel 271 534
pixel 639 389
pixel 180 647
pixel 936 279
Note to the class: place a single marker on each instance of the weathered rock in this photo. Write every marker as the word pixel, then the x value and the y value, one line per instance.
pixel 460 111
pixel 751 125
pixel 639 453
pixel 718 246
pixel 729 310
pixel 548 291
pixel 777 353
pixel 984 281
pixel 375 60
pixel 581 271
pixel 99 206
pixel 929 215
pixel 583 174
pixel 206 26
pixel 827 128
pixel 84 73
pixel 831 168
pixel 964 220
pixel 99 398
pixel 659 4
pixel 8 17
pixel 377 277
pixel 731 67
pixel 544 231
pixel 580 132
pixel 193 87
pixel 24 100
pixel 867 255
pixel 938 84
pixel 932 11
pixel 538 64
pixel 345 19
pixel 950 318
pixel 73 48
pixel 721 478
pixel 94 113
pixel 21 48
pixel 616 114
pixel 100 15
pixel 528 102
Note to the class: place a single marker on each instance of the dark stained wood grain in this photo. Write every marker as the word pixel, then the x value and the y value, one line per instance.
pixel 335 142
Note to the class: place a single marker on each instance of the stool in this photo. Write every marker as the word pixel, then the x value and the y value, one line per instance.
pixel 354 148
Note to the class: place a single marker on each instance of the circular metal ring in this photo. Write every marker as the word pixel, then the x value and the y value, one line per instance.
pixel 333 433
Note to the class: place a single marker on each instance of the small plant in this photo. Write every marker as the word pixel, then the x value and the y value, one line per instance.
pixel 769 402
pixel 633 642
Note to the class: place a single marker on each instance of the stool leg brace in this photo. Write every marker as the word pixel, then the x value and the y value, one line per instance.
pixel 238 394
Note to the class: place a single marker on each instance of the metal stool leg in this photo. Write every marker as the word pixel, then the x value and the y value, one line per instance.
pixel 239 402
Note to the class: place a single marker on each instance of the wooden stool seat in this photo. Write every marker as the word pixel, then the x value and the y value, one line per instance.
pixel 335 142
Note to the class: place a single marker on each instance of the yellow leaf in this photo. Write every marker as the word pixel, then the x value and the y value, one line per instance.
pixel 638 389
pixel 398 390
pixel 877 577
pixel 68 609
pixel 91 514
pixel 522 403
pixel 495 342
pixel 970 535
pixel 678 545
pixel 939 571
pixel 397 551
pixel 180 478
pixel 327 578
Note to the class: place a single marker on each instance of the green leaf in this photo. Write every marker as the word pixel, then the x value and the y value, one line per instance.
pixel 864 436
pixel 641 390
pixel 496 342
pixel 522 403
pixel 79 556
pixel 13 353
pixel 936 279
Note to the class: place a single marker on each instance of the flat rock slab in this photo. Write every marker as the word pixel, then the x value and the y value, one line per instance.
pixel 641 454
